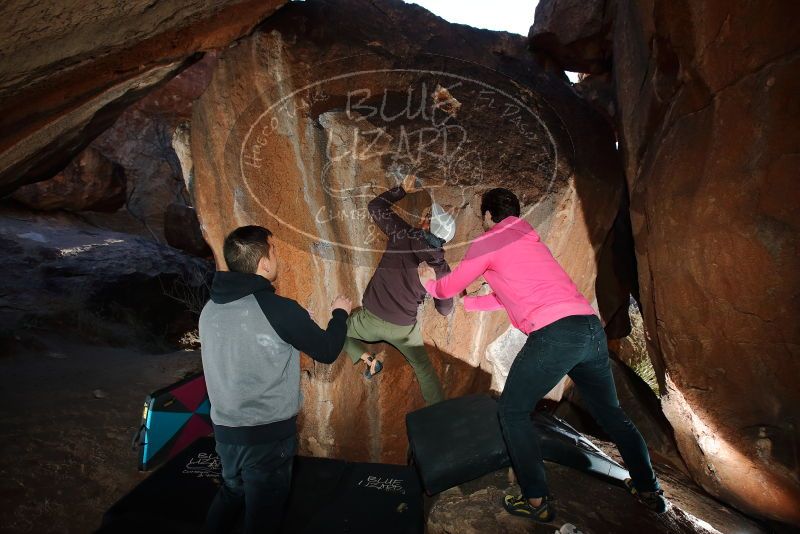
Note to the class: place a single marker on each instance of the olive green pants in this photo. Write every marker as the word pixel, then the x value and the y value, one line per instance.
pixel 363 326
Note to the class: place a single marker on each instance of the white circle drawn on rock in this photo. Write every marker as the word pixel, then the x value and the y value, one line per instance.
pixel 274 124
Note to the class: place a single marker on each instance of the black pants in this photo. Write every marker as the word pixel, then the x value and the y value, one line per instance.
pixel 575 345
pixel 256 480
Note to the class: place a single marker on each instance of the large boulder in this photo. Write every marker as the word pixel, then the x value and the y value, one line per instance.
pixel 708 118
pixel 91 182
pixel 574 33
pixel 70 68
pixel 585 504
pixel 140 142
pixel 182 230
pixel 308 119
pixel 60 271
pixel 640 404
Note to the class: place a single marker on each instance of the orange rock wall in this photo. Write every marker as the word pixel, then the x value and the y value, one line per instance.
pixel 708 115
pixel 274 143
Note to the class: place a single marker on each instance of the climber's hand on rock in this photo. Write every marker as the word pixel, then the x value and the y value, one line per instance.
pixel 343 303
pixel 426 273
pixel 410 183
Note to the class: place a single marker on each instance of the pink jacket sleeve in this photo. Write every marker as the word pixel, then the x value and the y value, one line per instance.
pixel 471 267
pixel 483 303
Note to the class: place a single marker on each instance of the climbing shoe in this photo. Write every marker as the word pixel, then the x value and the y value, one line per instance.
pixel 519 505
pixel 378 367
pixel 652 499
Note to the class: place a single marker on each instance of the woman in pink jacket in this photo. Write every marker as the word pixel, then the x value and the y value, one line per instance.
pixel 565 337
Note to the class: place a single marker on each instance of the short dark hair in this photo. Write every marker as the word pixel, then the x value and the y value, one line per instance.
pixel 244 248
pixel 500 203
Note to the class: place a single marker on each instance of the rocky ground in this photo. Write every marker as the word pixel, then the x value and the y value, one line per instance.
pixel 585 504
pixel 92 279
pixel 688 109
pixel 69 411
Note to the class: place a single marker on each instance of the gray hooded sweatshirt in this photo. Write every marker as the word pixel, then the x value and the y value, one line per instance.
pixel 251 341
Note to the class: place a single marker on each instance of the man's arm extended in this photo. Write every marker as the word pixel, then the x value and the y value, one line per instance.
pixel 474 264
pixel 483 303
pixel 390 223
pixel 295 326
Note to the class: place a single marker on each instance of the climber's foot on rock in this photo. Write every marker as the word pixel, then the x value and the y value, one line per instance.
pixel 519 505
pixel 374 365
pixel 654 500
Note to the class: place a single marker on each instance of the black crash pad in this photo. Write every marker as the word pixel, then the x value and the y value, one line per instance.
pixel 328 496
pixel 460 439
pixel 174 498
pixel 354 498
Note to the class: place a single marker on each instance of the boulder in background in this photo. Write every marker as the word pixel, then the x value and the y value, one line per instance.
pixel 91 182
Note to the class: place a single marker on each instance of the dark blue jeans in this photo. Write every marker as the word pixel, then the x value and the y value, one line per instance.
pixel 574 346
pixel 256 480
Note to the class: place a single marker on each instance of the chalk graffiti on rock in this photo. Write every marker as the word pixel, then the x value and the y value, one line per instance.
pixel 390 485
pixel 352 135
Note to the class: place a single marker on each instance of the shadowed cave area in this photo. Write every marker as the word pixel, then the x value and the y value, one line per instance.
pixel 662 181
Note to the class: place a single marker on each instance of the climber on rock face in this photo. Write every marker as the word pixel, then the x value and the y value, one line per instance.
pixel 565 337
pixel 251 340
pixel 391 300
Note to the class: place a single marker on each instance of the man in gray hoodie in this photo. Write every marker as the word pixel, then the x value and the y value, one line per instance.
pixel 251 341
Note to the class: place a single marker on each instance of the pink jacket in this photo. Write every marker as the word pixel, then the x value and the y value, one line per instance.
pixel 524 276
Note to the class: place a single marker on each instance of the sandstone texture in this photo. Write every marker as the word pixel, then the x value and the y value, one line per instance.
pixel 91 182
pixel 707 114
pixel 69 68
pixel 585 504
pixel 140 141
pixel 322 108
pixel 574 32
pixel 295 122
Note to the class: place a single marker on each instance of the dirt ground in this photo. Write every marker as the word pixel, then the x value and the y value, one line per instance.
pixel 68 413
pixel 70 410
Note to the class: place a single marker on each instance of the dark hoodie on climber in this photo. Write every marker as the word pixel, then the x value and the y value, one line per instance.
pixel 251 342
pixel 394 292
